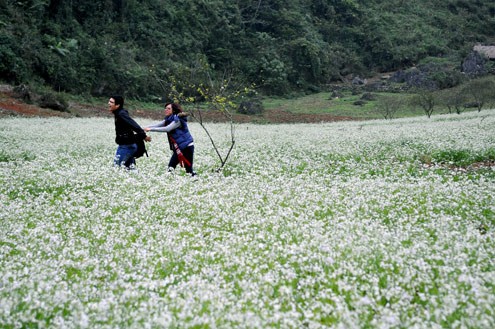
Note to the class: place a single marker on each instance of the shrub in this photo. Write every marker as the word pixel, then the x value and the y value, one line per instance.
pixel 54 101
pixel 251 107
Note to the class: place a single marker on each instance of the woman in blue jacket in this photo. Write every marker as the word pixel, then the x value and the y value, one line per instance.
pixel 180 139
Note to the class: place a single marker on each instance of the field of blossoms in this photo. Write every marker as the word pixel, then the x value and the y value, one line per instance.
pixel 374 224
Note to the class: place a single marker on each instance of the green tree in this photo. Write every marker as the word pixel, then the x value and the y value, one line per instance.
pixel 480 91
pixel 388 106
pixel 426 100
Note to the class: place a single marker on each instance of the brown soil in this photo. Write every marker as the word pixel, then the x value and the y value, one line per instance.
pixel 10 105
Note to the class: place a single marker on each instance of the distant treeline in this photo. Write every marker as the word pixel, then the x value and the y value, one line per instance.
pixel 143 48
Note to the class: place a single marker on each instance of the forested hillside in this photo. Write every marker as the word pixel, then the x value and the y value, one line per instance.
pixel 143 48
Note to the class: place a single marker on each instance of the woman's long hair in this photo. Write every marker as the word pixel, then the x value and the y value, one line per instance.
pixel 176 108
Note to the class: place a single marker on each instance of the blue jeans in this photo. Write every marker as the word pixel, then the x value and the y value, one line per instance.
pixel 125 155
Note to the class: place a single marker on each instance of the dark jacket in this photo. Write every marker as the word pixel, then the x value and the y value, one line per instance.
pixel 125 127
pixel 181 135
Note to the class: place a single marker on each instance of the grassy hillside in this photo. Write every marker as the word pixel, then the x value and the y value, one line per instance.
pixel 146 49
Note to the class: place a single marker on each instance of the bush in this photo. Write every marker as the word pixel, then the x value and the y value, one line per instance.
pixel 54 101
pixel 251 107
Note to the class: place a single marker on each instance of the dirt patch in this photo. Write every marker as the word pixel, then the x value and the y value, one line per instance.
pixel 12 106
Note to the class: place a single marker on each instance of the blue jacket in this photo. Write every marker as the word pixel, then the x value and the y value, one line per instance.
pixel 181 135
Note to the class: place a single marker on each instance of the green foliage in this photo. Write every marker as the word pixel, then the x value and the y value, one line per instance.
pixel 251 107
pixel 133 47
pixel 460 157
pixel 9 59
pixel 442 72
pixel 480 91
pixel 55 101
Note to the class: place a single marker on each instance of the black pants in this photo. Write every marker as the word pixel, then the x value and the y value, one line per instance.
pixel 188 154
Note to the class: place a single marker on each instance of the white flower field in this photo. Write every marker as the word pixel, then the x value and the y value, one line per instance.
pixel 371 224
